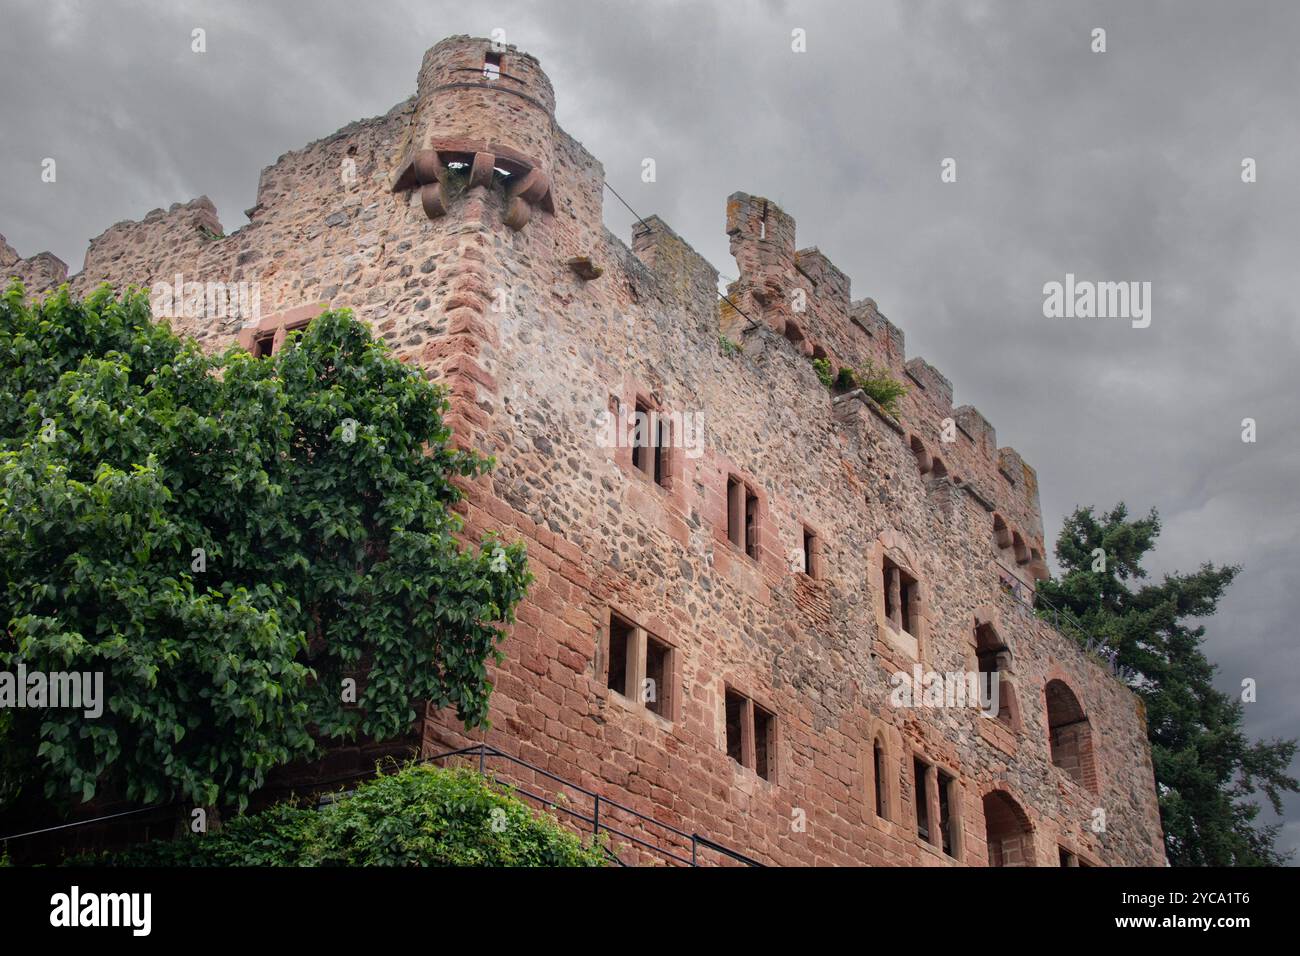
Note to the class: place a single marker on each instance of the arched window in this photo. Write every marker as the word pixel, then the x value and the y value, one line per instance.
pixel 1070 734
pixel 1007 830
pixel 994 663
pixel 923 460
pixel 1001 533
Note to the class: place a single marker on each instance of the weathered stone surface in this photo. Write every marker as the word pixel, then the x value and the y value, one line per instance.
pixel 534 356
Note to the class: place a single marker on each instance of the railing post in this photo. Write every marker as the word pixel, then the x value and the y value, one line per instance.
pixel 482 760
pixel 595 818
pixel 694 847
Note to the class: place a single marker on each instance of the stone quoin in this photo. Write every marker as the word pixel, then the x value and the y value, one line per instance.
pixel 465 228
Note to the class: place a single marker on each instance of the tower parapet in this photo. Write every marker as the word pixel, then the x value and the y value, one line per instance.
pixel 484 117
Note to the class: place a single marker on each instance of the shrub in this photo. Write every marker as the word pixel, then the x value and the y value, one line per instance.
pixel 420 816
pixel 874 380
pixel 881 386
pixel 823 368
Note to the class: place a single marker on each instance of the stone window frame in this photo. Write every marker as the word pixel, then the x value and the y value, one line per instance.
pixel 748 748
pixel 1026 819
pixel 917 760
pixel 935 770
pixel 888 788
pixel 660 447
pixel 738 511
pixel 636 661
pixel 956 798
pixel 672 486
pixel 277 327
pixel 892 546
pixel 1089 778
pixel 813 548
pixel 1081 859
pixel 985 618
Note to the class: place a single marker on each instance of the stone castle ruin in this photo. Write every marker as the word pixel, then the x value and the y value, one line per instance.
pixel 723 613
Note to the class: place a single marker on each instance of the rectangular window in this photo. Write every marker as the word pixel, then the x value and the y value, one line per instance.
pixel 742 516
pixel 1067 858
pixel 921 798
pixel 651 441
pixel 735 511
pixel 620 639
pixel 492 66
pixel 764 724
pixel 902 598
pixel 751 523
pixel 751 734
pixel 947 788
pixel 662 439
pixel 642 439
pixel 735 722
pixel 811 554
pixel 640 666
pixel 658 677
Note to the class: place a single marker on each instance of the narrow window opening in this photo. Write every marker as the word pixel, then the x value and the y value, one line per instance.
pixel 735 718
pixel 922 798
pixel 902 598
pixel 878 766
pixel 735 506
pixel 642 439
pixel 658 674
pixel 810 554
pixel 947 795
pixel 751 524
pixel 620 636
pixel 492 66
pixel 264 345
pixel 764 723
pixel 660 451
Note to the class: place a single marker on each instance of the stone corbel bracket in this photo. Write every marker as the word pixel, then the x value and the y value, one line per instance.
pixel 527 189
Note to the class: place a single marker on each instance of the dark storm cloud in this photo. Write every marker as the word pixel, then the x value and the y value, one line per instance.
pixel 1116 166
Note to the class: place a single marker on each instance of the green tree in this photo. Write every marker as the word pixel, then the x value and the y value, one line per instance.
pixel 1207 773
pixel 230 541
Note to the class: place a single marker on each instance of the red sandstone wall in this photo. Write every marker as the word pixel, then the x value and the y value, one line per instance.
pixel 530 382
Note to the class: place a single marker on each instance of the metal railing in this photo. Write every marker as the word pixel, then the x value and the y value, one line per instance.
pixel 691 843
pixel 687 843
pixel 1032 598
pixel 1065 623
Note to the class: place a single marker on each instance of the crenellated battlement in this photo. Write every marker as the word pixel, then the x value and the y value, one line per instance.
pixel 769 560
pixel 802 296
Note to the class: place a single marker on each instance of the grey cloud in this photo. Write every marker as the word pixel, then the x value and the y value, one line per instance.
pixel 1123 165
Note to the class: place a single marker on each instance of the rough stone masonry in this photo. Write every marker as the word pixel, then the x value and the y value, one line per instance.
pixel 712 638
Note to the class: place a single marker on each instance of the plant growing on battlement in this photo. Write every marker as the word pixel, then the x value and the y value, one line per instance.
pixel 874 380
pixel 823 369
pixel 230 541
pixel 881 386
pixel 728 348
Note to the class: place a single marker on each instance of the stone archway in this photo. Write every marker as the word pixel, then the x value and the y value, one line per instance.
pixel 1008 832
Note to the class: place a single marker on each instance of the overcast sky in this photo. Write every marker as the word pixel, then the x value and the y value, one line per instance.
pixel 1115 166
